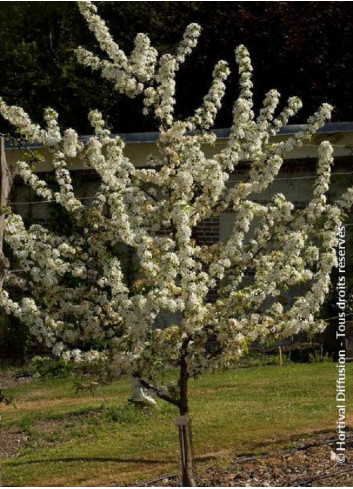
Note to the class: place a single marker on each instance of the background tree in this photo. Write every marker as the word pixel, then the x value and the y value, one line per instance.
pixel 298 47
pixel 76 296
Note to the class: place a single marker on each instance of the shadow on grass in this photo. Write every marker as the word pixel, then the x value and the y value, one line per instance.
pixel 88 459
pixel 106 459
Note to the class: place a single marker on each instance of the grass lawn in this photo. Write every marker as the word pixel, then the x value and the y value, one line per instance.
pixel 234 412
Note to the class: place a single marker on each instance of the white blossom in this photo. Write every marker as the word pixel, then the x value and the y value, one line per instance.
pixel 76 292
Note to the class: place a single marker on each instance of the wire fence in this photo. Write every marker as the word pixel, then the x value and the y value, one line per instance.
pixel 306 177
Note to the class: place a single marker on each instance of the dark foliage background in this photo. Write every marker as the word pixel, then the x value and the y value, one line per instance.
pixel 300 48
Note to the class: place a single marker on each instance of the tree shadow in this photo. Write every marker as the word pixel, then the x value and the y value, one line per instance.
pixel 91 459
pixel 107 459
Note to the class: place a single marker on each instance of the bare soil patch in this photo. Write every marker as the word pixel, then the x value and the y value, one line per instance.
pixel 49 432
pixel 44 433
pixel 10 380
pixel 12 441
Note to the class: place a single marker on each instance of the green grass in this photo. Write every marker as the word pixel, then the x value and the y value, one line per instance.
pixel 234 412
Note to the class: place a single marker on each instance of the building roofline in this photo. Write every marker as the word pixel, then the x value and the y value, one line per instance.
pixel 151 137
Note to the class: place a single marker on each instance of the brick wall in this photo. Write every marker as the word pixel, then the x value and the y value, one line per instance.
pixel 207 231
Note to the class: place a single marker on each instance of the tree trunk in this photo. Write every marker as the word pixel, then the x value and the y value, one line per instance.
pixel 5 186
pixel 185 434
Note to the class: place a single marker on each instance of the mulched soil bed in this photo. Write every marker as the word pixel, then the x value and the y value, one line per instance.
pixel 310 463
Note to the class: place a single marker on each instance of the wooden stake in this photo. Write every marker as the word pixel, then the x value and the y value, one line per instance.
pixel 280 355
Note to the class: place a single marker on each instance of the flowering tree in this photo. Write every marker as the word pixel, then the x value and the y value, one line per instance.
pixel 75 294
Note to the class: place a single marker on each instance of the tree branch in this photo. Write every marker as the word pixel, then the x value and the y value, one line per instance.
pixel 5 187
pixel 158 392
